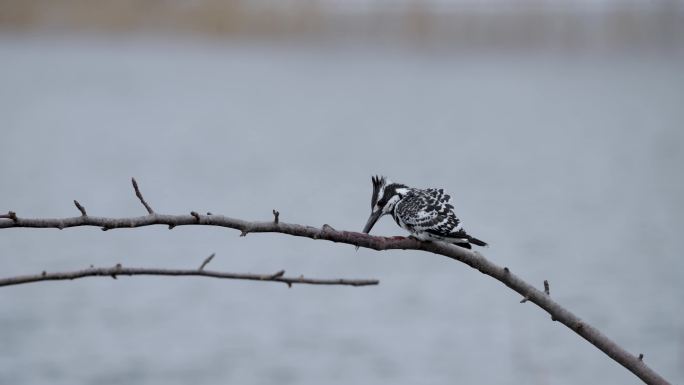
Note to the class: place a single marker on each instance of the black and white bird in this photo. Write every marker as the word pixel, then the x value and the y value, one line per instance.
pixel 426 213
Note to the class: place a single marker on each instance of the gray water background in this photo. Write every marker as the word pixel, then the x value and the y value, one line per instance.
pixel 570 166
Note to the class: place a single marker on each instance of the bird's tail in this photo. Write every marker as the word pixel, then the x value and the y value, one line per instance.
pixel 468 240
pixel 476 241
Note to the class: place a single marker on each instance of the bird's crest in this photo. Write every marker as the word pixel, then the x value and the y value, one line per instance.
pixel 378 184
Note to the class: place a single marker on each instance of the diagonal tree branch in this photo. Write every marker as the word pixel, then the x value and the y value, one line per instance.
pixel 633 363
pixel 130 271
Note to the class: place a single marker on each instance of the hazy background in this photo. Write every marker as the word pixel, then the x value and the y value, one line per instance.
pixel 556 126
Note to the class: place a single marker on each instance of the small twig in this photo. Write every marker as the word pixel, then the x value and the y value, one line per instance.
pixel 80 208
pixel 276 275
pixel 641 356
pixel 527 298
pixel 139 195
pixel 547 291
pixel 196 215
pixel 276 214
pixel 10 215
pixel 206 261
pixel 119 270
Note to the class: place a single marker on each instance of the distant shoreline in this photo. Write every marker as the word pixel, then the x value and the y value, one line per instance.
pixel 532 25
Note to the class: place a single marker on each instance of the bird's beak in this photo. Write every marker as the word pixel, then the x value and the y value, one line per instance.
pixel 371 221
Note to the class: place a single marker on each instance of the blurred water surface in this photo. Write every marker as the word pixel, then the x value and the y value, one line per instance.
pixel 569 166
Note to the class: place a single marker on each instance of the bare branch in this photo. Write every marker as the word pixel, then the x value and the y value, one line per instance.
pixel 206 261
pixel 80 208
pixel 130 271
pixel 472 259
pixel 139 195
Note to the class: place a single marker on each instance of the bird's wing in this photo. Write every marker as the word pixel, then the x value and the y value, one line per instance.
pixel 429 210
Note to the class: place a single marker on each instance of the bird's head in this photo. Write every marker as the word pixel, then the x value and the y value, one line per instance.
pixel 385 196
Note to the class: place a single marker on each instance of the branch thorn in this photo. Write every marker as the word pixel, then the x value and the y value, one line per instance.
pixel 117 267
pixel 547 291
pixel 276 214
pixel 641 356
pixel 194 214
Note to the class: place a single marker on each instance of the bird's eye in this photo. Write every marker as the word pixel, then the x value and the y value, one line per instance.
pixel 385 198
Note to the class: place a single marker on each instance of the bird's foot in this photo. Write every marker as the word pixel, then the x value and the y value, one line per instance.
pixel 396 237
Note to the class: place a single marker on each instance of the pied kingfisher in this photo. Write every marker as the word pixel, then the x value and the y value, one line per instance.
pixel 427 214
